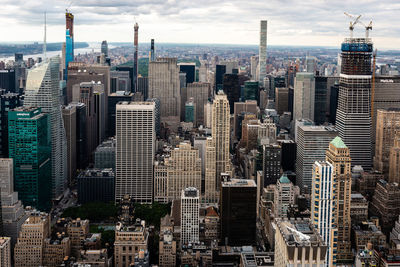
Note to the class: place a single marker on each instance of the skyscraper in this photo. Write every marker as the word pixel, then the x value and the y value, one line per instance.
pixel 323 207
pixel 8 101
pixel 104 48
pixel 29 146
pixel 69 41
pixel 312 143
pixel 338 155
pixel 387 126
pixel 200 93
pixel 394 161
pixel 210 190
pixel 353 118
pixel 135 58
pixel 262 63
pixel 285 195
pixel 221 133
pixel 250 90
pixel 231 87
pixel 190 209
pixel 42 90
pixel 272 155
pixel 164 85
pixel 135 135
pixel 304 96
pixel 69 118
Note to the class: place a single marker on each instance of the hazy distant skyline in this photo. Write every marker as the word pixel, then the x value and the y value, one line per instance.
pixel 290 22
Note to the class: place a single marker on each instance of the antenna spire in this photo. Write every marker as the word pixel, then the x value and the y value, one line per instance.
pixel 44 41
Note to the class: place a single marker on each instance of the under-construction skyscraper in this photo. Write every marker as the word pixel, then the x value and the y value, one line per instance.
pixel 353 119
pixel 69 41
pixel 135 58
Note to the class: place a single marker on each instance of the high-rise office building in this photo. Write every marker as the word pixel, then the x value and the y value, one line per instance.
pixel 96 185
pixel 69 41
pixel 250 90
pixel 69 118
pixel 190 70
pixel 304 96
pixel 164 85
pixel 104 48
pixel 8 101
pixel 184 170
pixel 5 251
pixel 221 133
pixel 253 67
pixel 104 156
pixel 312 143
pixel 387 126
pixel 281 100
pixel 220 71
pixel 135 134
pixel 190 111
pixel 323 207
pixel 394 161
pixel 190 212
pixel 272 155
pixel 210 191
pixel 284 196
pixel 262 54
pixel 231 87
pixel 43 90
pixel 30 145
pixel 338 155
pixel 238 212
pixel 200 93
pixel 29 248
pixel 353 118
pixel 113 99
pixel 8 80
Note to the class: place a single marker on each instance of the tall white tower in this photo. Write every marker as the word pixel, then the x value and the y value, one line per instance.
pixel 43 91
pixel 323 206
pixel 190 208
pixel 135 134
pixel 263 50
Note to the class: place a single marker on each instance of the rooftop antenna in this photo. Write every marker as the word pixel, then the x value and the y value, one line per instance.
pixel 44 41
pixel 352 23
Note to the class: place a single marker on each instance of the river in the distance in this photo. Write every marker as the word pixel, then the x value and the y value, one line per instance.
pixel 92 48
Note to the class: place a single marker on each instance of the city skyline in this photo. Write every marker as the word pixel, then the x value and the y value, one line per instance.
pixel 184 22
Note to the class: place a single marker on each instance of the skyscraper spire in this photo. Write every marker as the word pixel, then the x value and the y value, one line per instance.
pixel 135 59
pixel 44 41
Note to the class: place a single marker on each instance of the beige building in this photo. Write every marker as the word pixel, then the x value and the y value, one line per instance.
pixel 184 170
pixel 77 231
pixel 28 251
pixel 221 134
pixel 338 155
pixel 95 258
pixel 387 125
pixel 394 161
pixel 5 251
pixel 161 181
pixel 164 85
pixel 129 240
pixel 55 250
pixel 298 244
pixel 210 192
pixel 167 250
pixel 284 196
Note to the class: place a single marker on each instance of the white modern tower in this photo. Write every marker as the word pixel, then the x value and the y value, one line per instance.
pixel 323 206
pixel 190 208
pixel 263 50
pixel 43 91
pixel 135 134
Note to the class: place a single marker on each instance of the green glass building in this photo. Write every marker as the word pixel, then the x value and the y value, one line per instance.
pixel 30 147
pixel 250 90
pixel 190 112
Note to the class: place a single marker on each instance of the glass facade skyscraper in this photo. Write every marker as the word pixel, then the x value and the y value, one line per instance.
pixel 43 90
pixel 30 147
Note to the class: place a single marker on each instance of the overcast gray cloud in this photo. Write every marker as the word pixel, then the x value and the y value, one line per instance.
pixel 291 22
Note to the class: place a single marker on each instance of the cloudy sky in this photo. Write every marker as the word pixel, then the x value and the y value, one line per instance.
pixel 290 22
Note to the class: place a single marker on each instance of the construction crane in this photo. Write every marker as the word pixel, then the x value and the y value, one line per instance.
pixel 353 23
pixel 367 28
pixel 373 82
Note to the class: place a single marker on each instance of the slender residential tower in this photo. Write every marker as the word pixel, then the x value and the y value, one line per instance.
pixel 353 119
pixel 263 50
pixel 338 155
pixel 69 41
pixel 135 59
pixel 323 214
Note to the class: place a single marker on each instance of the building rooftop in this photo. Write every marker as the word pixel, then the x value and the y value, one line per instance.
pixel 239 183
pixel 338 142
pixel 284 179
pixel 299 233
pixel 191 192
